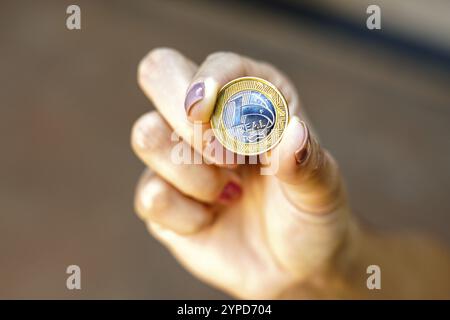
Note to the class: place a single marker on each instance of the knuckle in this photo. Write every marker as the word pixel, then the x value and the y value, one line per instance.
pixel 154 60
pixel 281 81
pixel 215 182
pixel 149 133
pixel 269 66
pixel 223 55
pixel 152 198
pixel 235 65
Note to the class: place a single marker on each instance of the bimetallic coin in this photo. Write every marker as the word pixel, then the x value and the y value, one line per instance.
pixel 250 116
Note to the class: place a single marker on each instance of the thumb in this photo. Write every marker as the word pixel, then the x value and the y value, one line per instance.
pixel 307 230
pixel 308 174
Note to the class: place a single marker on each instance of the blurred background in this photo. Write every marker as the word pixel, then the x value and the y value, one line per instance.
pixel 379 99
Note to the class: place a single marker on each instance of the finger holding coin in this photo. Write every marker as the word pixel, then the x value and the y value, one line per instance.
pixel 250 116
pixel 164 75
pixel 151 142
pixel 253 127
pixel 222 67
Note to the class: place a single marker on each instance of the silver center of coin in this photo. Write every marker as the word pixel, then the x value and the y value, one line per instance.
pixel 249 116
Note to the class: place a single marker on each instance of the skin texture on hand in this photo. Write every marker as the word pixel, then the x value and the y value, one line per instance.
pixel 254 236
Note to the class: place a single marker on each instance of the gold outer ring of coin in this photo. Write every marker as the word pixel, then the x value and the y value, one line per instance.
pixel 271 93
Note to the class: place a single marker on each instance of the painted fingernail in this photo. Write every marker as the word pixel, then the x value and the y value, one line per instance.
pixel 302 153
pixel 194 95
pixel 230 192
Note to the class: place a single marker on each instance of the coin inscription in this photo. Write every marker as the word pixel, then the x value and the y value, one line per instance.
pixel 250 116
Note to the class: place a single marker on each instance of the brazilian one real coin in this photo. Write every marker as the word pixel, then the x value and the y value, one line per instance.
pixel 250 116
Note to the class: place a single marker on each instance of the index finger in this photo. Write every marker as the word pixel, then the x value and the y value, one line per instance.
pixel 164 76
pixel 219 69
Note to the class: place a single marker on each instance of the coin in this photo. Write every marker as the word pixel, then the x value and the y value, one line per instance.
pixel 250 116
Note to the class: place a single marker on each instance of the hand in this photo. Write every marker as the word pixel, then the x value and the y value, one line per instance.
pixel 251 235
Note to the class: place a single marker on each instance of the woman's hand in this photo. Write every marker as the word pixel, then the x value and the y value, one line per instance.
pixel 252 235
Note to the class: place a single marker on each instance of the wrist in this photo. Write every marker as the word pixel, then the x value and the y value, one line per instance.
pixel 345 275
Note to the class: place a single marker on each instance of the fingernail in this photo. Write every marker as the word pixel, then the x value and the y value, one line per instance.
pixel 230 192
pixel 195 94
pixel 302 153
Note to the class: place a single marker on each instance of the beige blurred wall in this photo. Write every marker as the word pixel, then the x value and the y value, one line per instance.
pixel 418 20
